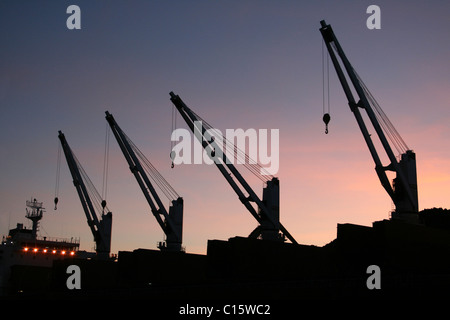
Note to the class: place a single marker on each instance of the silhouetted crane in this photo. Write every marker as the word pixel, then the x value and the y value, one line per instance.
pixel 267 210
pixel 91 202
pixel 171 222
pixel 403 190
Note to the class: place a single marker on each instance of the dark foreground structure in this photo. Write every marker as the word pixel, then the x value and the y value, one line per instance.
pixel 413 262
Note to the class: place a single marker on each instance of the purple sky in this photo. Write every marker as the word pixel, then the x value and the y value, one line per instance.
pixel 238 64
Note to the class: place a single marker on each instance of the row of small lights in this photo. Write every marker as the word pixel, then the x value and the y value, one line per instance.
pixel 63 252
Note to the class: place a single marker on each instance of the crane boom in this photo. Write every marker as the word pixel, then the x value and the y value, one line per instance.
pixel 267 212
pixel 171 222
pixel 403 190
pixel 101 229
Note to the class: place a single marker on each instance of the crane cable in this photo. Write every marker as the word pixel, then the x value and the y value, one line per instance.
pixel 93 194
pixel 325 88
pixel 240 155
pixel 384 121
pixel 91 189
pixel 58 170
pixel 172 143
pixel 105 168
pixel 152 172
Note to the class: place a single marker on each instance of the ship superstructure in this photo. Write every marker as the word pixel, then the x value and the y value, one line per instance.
pixel 23 247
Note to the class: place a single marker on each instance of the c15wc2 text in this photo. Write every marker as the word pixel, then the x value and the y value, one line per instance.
pixel 229 309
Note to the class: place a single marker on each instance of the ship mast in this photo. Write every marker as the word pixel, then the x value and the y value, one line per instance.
pixel 35 214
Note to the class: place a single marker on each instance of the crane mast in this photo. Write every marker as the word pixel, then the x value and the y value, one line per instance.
pixel 101 229
pixel 171 222
pixel 267 211
pixel 403 190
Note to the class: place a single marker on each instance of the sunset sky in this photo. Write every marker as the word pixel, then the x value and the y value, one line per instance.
pixel 237 63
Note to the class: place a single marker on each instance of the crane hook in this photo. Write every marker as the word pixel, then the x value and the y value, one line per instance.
pixel 103 206
pixel 172 156
pixel 326 119
pixel 56 201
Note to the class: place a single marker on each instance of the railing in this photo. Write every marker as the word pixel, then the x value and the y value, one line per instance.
pixel 34 204
pixel 72 240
